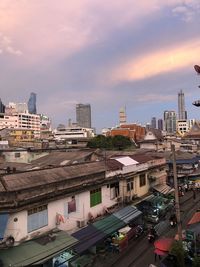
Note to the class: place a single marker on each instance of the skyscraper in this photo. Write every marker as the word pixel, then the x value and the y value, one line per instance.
pixel 2 107
pixel 170 121
pixel 182 114
pixel 32 104
pixel 122 116
pixel 160 124
pixel 83 115
pixel 153 123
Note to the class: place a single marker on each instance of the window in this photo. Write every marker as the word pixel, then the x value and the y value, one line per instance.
pixel 95 197
pixel 72 205
pixel 142 180
pixel 37 218
pixel 17 155
pixel 129 185
pixel 114 190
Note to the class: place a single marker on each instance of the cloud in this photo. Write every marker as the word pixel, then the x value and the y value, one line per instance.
pixel 187 10
pixel 157 62
pixel 45 30
pixel 6 46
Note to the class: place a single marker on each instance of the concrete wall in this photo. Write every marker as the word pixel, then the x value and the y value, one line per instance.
pixel 19 231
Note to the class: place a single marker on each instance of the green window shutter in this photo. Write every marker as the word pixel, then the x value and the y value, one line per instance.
pixel 95 197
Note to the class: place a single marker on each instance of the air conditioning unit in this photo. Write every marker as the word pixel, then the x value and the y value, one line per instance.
pixel 81 224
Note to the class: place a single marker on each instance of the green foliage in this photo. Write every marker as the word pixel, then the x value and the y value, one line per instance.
pixel 179 253
pixel 118 142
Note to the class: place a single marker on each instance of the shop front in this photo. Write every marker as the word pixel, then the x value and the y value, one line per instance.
pixel 108 235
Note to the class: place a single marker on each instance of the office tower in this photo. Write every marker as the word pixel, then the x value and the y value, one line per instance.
pixel 170 122
pixel 32 104
pixel 153 123
pixel 182 114
pixel 160 124
pixel 2 107
pixel 83 115
pixel 122 116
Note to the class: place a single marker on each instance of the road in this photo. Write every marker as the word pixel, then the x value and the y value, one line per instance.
pixel 140 253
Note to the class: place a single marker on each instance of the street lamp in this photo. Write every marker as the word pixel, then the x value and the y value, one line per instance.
pixel 197 69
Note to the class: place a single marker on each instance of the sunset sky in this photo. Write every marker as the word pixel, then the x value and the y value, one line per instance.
pixel 111 54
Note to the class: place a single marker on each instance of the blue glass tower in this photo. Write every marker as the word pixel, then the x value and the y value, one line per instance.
pixel 32 104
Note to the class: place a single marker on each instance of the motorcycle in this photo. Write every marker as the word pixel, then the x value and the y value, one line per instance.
pixel 139 230
pixel 173 221
pixel 151 238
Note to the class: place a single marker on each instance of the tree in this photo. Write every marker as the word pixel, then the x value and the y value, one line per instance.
pixel 179 253
pixel 98 141
pixel 121 142
pixel 117 142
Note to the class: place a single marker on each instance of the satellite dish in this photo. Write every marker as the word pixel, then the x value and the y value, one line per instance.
pixel 196 103
pixel 197 68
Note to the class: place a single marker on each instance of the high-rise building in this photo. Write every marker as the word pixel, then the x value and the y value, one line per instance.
pixel 182 114
pixel 83 115
pixel 170 122
pixel 153 123
pixel 2 107
pixel 160 124
pixel 32 104
pixel 122 116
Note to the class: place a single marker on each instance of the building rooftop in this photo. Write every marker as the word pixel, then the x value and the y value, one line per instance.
pixel 36 178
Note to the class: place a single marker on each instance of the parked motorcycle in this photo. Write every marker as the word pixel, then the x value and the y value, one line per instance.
pixel 139 230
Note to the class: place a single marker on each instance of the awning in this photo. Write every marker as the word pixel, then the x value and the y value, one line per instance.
pixel 128 214
pixel 3 223
pixel 163 244
pixel 109 224
pixel 32 252
pixel 195 218
pixel 163 189
pixel 87 237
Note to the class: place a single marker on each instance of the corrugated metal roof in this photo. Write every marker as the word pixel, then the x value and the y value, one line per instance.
pixel 31 252
pixel 128 214
pixel 109 224
pixel 142 158
pixel 55 158
pixel 127 161
pixel 87 237
pixel 163 188
pixel 20 181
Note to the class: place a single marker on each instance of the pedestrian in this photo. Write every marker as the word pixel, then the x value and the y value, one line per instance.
pixel 186 187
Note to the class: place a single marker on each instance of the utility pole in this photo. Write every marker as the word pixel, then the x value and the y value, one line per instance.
pixel 177 205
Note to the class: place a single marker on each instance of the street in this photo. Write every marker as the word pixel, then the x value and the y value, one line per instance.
pixel 139 252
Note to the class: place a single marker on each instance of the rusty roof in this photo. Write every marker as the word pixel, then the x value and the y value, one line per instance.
pixel 113 165
pixel 26 180
pixel 142 158
pixel 57 158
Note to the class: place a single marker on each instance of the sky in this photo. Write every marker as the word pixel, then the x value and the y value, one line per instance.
pixel 111 54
